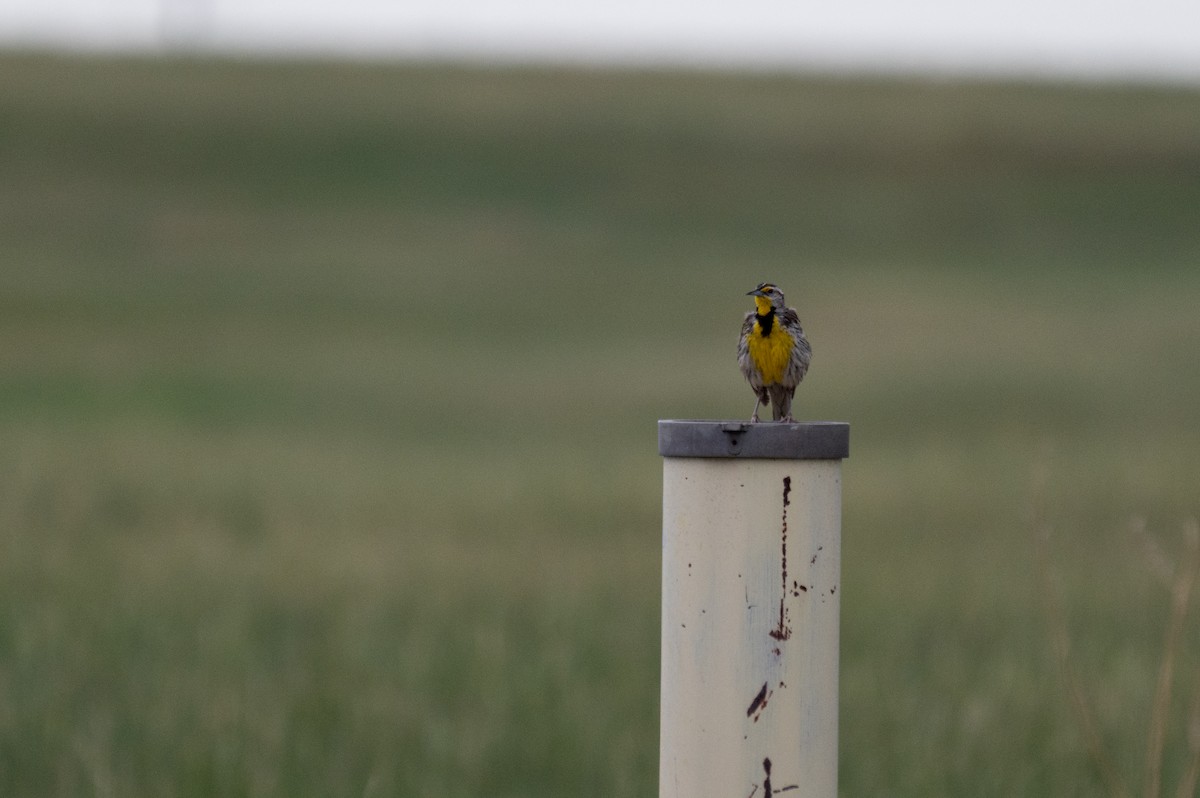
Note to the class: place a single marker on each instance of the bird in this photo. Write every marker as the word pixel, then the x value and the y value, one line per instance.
pixel 773 353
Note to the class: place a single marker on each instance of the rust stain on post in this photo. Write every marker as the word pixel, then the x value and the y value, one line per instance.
pixel 758 701
pixel 759 704
pixel 782 632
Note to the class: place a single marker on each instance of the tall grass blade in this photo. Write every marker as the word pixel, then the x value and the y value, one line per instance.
pixel 1060 633
pixel 1181 593
pixel 1187 785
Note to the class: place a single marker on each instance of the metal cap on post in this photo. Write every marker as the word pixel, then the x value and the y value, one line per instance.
pixel 751 571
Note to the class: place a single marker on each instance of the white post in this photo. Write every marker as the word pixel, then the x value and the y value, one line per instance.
pixel 751 589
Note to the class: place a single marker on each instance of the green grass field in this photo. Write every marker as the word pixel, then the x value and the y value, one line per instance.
pixel 328 397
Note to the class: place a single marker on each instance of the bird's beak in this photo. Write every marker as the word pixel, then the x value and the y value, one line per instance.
pixel 755 292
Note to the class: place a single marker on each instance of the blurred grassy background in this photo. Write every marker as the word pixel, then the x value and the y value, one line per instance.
pixel 328 398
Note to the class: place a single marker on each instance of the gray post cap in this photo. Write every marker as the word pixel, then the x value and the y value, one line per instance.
pixel 802 440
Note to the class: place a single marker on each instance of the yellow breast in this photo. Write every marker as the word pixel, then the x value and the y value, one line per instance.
pixel 770 353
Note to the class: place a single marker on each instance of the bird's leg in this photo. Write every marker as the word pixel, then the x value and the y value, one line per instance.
pixel 754 415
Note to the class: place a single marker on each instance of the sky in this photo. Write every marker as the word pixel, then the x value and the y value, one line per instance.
pixel 1133 39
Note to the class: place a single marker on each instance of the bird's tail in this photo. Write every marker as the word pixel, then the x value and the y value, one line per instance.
pixel 781 402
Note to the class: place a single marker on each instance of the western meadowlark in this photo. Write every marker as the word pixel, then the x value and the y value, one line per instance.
pixel 773 352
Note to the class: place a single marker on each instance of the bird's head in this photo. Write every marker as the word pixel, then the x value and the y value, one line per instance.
pixel 767 297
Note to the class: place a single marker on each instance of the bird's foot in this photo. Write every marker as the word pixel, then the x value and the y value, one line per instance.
pixel 787 419
pixel 754 418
